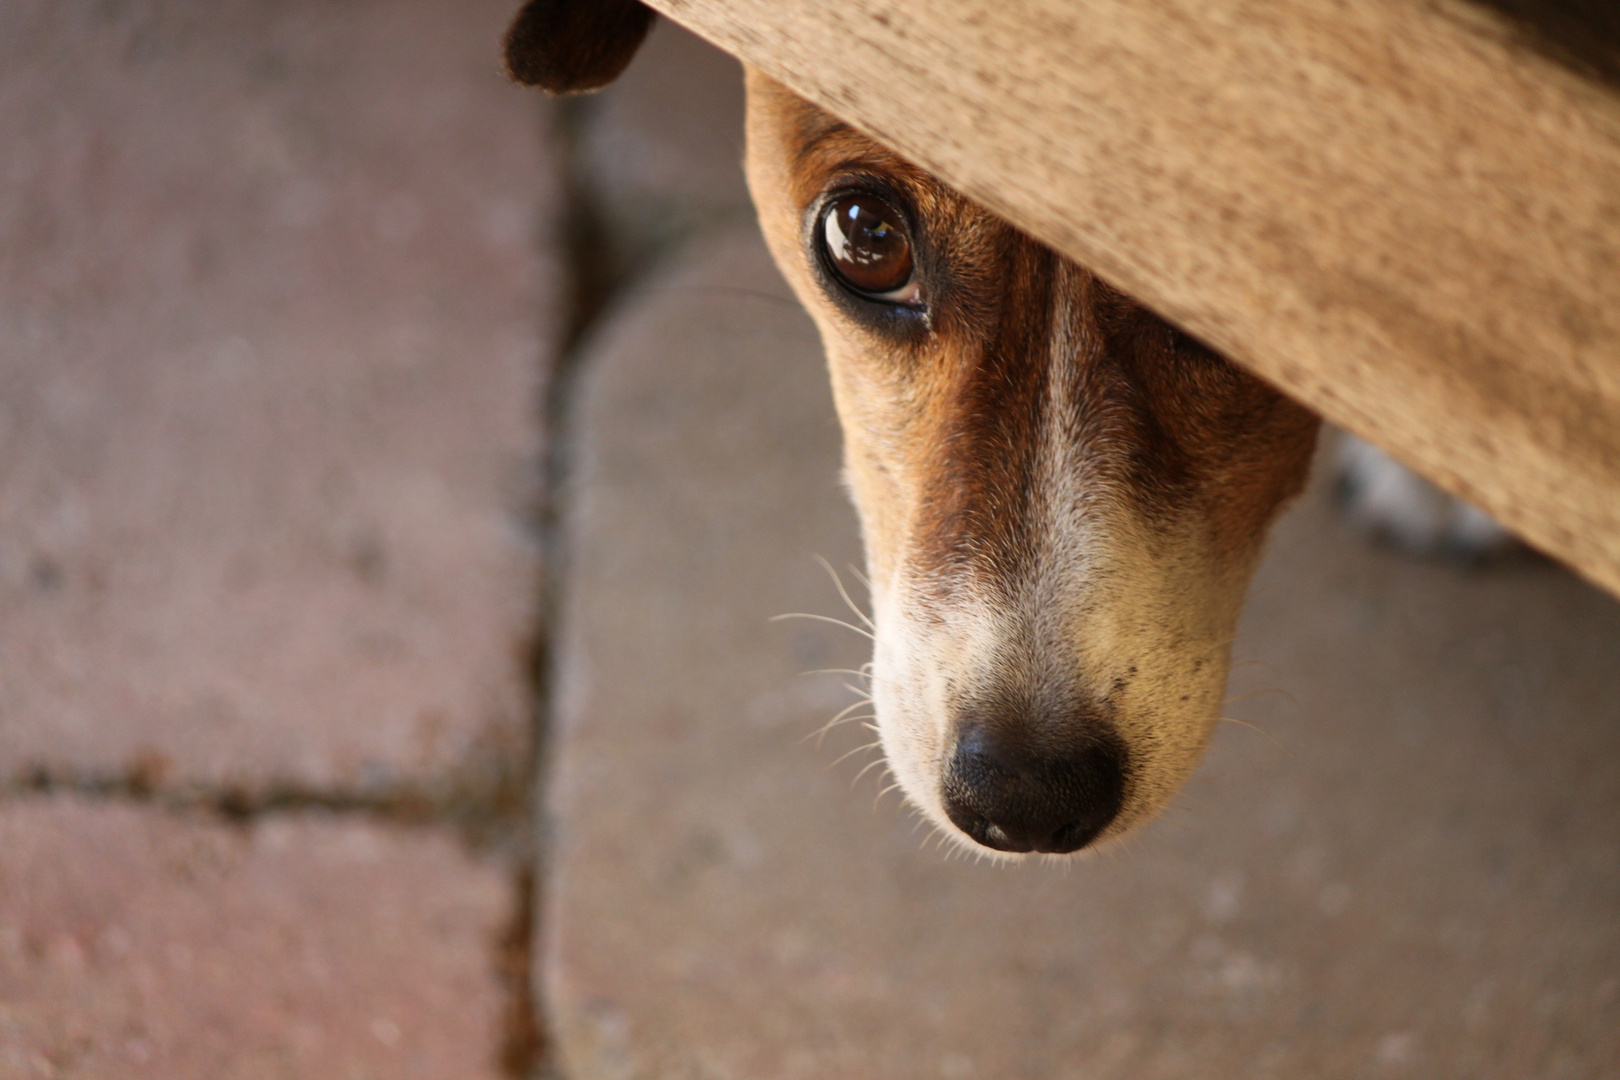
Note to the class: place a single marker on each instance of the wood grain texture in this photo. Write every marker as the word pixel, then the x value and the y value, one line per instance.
pixel 1391 209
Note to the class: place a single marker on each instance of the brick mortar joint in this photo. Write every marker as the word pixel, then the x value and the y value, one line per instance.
pixel 598 278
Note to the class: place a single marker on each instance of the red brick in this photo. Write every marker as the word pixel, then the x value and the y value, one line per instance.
pixel 276 295
pixel 138 944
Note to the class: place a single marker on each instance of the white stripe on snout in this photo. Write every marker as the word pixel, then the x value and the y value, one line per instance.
pixel 1108 611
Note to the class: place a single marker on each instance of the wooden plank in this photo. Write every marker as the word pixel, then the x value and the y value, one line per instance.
pixel 1391 209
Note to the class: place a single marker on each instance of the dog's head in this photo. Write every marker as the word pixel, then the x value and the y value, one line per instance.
pixel 1062 496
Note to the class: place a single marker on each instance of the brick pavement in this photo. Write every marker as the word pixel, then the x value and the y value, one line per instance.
pixel 278 285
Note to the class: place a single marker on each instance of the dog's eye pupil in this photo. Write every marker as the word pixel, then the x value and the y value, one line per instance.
pixel 865 246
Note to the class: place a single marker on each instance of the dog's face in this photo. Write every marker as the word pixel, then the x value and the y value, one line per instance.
pixel 1062 497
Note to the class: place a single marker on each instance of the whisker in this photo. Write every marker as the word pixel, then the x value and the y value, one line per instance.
pixel 820 734
pixel 884 792
pixel 892 787
pixel 839 671
pixel 862 672
pixel 870 765
pixel 822 618
pixel 1253 727
pixel 852 753
pixel 847 710
pixel 859 575
pixel 839 585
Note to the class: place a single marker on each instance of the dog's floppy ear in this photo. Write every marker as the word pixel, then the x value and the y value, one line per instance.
pixel 572 46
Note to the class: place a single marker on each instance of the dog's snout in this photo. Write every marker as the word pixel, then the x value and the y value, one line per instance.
pixel 1048 800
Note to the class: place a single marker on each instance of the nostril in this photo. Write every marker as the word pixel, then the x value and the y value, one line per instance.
pixel 1052 801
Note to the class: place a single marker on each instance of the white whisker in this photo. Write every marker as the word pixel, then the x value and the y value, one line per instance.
pixel 892 787
pixel 852 753
pixel 1253 727
pixel 822 618
pixel 820 734
pixel 849 709
pixel 839 585
pixel 868 767
pixel 839 671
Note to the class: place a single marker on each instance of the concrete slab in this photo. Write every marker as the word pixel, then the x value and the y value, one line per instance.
pixel 275 297
pixel 138 944
pixel 1411 869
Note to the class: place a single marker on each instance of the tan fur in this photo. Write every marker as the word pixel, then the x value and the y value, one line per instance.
pixel 1062 497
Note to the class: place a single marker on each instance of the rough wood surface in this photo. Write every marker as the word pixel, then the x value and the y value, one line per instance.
pixel 1392 209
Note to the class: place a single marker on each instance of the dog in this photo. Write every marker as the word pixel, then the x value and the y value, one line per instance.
pixel 1062 496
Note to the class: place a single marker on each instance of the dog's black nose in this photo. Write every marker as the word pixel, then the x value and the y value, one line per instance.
pixel 1011 799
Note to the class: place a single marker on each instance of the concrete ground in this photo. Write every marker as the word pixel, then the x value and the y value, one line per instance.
pixel 279 288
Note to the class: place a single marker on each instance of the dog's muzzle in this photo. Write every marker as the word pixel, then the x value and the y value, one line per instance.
pixel 1044 799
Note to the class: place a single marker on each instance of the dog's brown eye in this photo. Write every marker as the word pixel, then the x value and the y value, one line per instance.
pixel 867 246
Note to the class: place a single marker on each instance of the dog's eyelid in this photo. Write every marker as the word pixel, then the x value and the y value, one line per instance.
pixel 871 185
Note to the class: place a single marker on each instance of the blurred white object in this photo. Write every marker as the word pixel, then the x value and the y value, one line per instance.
pixel 1385 498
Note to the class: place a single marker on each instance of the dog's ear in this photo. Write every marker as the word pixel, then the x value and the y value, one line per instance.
pixel 573 46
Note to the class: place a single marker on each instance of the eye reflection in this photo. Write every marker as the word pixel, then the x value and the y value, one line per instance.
pixel 868 249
